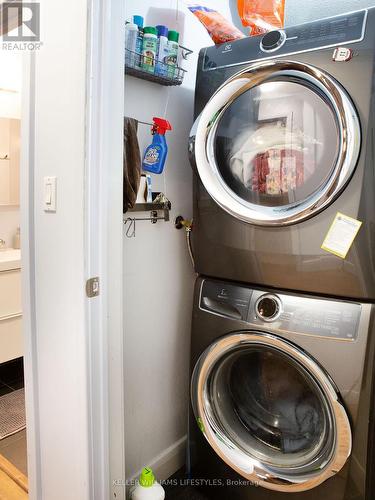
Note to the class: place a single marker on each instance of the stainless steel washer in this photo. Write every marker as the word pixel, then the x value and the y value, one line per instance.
pixel 281 394
pixel 282 142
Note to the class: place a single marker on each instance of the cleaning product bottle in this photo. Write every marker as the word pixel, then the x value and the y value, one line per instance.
pixel 173 47
pixel 131 34
pixel 138 20
pixel 163 51
pixel 149 48
pixel 148 488
pixel 156 152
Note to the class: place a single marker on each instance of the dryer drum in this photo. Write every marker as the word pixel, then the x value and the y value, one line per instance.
pixel 270 411
pixel 276 143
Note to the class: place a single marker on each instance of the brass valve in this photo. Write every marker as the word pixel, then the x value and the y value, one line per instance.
pixel 180 222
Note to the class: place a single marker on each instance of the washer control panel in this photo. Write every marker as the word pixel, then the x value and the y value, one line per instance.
pixel 225 299
pixel 331 32
pixel 286 312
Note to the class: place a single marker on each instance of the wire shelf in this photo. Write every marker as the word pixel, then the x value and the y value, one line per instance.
pixel 154 70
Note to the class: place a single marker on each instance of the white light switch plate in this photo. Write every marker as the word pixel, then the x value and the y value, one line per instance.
pixel 49 194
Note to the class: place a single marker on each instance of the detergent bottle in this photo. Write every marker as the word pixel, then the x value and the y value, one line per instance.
pixel 148 488
pixel 156 152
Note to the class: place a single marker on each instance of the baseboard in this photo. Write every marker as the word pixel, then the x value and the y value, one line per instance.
pixel 166 463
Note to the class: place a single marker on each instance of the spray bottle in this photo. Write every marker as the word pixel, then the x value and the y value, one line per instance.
pixel 156 153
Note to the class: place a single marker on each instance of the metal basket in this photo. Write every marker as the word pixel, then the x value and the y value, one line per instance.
pixel 153 70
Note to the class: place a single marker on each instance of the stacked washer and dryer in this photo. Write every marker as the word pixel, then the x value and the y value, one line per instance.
pixel 283 330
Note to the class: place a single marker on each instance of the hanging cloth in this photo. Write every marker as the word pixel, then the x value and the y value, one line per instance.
pixel 132 163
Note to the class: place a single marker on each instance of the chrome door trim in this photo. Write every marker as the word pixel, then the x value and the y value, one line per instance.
pixel 243 463
pixel 203 136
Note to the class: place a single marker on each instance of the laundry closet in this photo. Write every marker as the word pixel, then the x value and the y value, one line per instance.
pixel 248 266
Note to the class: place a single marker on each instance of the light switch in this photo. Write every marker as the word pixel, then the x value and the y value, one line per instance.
pixel 49 194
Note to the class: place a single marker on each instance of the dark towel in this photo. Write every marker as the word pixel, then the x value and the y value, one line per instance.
pixel 132 163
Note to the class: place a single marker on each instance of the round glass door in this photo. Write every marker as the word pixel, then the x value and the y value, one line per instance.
pixel 270 412
pixel 276 143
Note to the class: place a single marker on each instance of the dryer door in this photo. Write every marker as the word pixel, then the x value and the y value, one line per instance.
pixel 276 143
pixel 270 412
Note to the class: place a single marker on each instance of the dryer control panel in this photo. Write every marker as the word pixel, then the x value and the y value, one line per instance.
pixel 285 312
pixel 330 32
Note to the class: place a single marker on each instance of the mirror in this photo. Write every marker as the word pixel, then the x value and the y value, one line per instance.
pixel 9 161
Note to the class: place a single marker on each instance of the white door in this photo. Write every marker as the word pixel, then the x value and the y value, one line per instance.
pixel 72 120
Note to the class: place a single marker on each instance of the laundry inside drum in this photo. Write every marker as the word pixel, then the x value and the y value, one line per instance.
pixel 271 408
pixel 277 143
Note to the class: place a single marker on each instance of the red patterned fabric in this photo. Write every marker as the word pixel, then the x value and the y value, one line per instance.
pixel 278 171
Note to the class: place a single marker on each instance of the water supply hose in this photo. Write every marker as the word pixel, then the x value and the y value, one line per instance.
pixel 188 226
pixel 189 245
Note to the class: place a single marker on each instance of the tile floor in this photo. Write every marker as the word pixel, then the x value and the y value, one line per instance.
pixel 184 493
pixel 11 376
pixel 13 448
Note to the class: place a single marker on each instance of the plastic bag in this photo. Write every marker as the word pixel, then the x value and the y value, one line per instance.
pixel 220 29
pixel 261 15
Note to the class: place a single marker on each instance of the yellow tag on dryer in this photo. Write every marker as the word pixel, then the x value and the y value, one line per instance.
pixel 341 235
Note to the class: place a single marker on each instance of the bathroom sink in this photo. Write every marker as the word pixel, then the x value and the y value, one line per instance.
pixel 10 258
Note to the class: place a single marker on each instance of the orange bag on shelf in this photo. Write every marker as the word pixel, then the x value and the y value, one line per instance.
pixel 220 29
pixel 261 15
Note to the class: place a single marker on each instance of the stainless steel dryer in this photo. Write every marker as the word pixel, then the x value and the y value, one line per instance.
pixel 283 141
pixel 281 394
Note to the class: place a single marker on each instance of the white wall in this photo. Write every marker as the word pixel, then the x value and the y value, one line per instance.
pixel 10 107
pixel 297 12
pixel 158 276
pixel 10 83
pixel 56 361
pixel 317 9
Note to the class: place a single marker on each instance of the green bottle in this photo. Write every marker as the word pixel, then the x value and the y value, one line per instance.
pixel 173 48
pixel 149 49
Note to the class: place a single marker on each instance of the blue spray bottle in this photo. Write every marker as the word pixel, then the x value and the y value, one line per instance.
pixel 156 152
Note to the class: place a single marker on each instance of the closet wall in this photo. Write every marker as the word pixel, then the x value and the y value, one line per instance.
pixel 297 12
pixel 158 277
pixel 316 9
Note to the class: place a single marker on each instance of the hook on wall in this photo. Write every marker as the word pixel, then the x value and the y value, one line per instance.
pixel 130 229
pixel 129 222
pixel 185 52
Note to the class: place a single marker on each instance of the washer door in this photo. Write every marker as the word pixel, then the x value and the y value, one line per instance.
pixel 276 143
pixel 270 412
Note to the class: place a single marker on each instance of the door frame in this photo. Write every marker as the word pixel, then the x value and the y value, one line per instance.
pixel 102 253
pixel 104 243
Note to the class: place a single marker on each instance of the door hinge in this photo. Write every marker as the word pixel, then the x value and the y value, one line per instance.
pixel 92 287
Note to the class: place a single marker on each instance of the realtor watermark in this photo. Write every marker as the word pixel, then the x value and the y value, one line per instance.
pixel 20 23
pixel 195 482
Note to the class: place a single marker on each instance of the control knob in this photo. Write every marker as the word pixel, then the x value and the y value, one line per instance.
pixel 268 307
pixel 273 40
